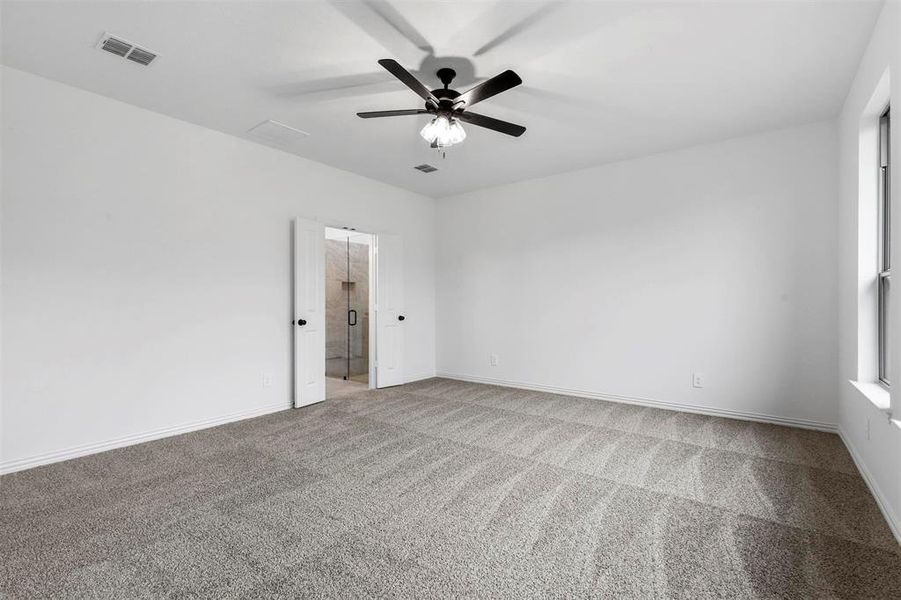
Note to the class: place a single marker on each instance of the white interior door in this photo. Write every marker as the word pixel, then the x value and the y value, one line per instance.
pixel 309 312
pixel 389 311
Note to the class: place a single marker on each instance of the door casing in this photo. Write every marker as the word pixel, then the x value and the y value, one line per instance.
pixel 387 314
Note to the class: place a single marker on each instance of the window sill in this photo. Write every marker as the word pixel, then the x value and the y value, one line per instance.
pixel 875 393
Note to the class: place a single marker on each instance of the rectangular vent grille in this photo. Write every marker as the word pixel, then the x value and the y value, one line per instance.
pixel 141 56
pixel 279 135
pixel 426 168
pixel 117 47
pixel 120 47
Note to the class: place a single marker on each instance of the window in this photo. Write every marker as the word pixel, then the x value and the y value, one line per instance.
pixel 885 247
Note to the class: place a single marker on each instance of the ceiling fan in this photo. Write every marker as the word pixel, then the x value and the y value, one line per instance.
pixel 449 107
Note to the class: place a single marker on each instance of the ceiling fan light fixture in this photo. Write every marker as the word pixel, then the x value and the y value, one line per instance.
pixel 447 105
pixel 443 132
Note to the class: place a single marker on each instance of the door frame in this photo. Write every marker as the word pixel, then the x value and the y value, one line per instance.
pixel 375 313
pixel 373 371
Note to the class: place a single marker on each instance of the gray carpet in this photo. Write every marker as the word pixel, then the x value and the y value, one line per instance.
pixel 450 489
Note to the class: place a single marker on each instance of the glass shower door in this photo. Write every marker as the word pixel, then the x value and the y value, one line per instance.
pixel 347 306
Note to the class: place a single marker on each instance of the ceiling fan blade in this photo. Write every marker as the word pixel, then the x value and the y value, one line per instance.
pixel 492 87
pixel 491 123
pixel 391 113
pixel 393 67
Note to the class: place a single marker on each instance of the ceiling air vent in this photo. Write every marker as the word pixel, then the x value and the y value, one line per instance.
pixel 120 47
pixel 117 47
pixel 279 135
pixel 141 56
pixel 426 168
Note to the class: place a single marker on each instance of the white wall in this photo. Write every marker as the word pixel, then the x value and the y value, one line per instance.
pixel 146 266
pixel 876 447
pixel 624 279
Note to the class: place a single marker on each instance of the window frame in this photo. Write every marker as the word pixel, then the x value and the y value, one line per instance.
pixel 884 271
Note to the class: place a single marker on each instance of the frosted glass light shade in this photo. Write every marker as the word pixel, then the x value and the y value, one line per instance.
pixel 443 132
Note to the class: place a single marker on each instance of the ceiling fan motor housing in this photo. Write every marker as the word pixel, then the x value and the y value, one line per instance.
pixel 445 101
pixel 444 95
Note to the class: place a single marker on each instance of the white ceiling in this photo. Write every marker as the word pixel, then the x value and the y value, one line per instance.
pixel 602 80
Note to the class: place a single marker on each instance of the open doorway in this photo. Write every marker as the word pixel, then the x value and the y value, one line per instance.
pixel 348 276
pixel 350 351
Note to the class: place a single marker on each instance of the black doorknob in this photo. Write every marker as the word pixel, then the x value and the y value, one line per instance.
pixel 301 322
pixel 401 317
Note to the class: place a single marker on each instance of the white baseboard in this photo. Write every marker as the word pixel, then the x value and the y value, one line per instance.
pixel 692 408
pixel 891 518
pixel 20 464
pixel 894 522
pixel 418 377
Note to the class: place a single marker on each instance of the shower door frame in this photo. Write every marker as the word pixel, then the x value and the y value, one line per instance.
pixel 370 304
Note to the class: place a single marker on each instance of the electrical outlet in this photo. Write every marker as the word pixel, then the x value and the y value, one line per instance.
pixel 697 380
pixel 492 360
pixel 267 379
